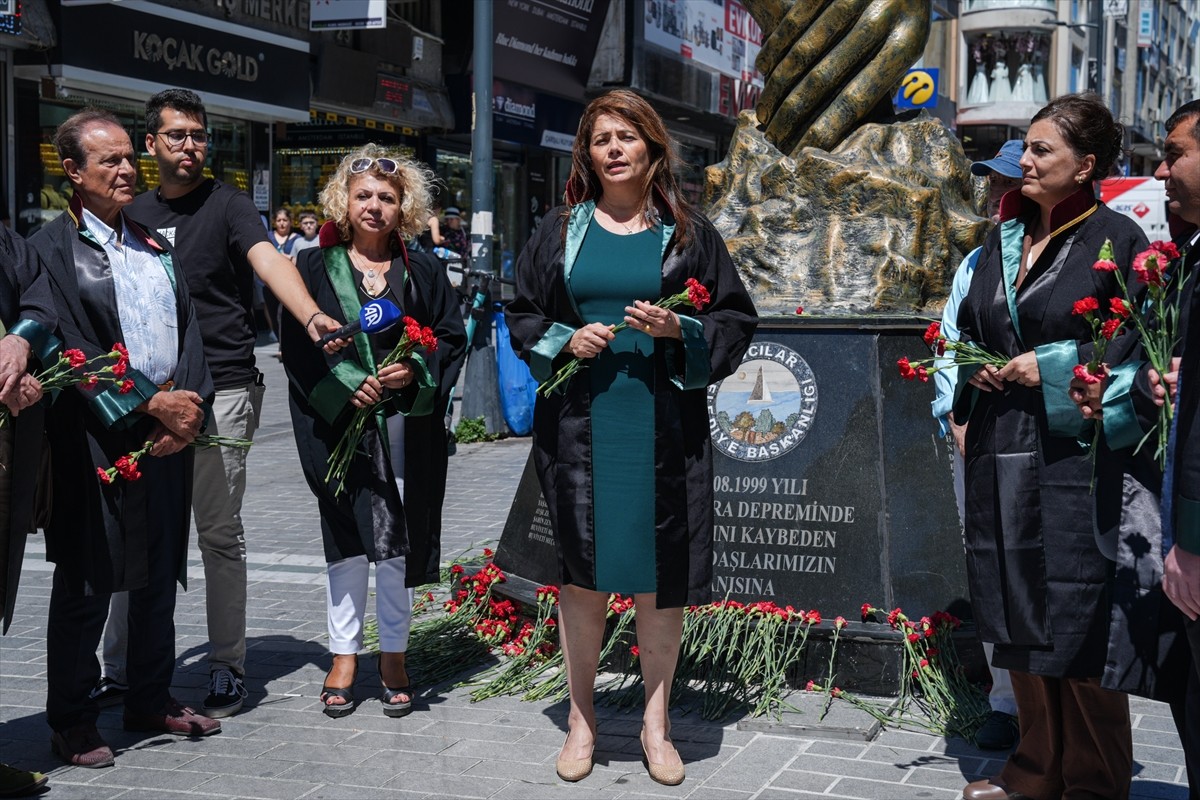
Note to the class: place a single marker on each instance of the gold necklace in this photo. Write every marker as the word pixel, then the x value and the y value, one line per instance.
pixel 625 225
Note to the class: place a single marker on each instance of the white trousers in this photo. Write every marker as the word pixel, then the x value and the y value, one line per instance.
pixel 346 602
pixel 1001 697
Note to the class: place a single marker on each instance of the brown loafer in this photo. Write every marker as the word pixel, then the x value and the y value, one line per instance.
pixel 990 790
pixel 174 718
pixel 82 746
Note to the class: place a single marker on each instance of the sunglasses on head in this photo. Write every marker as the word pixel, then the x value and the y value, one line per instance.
pixel 387 165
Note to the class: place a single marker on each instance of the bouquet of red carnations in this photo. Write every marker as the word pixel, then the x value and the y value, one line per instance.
pixel 947 353
pixel 1156 319
pixel 108 369
pixel 414 336
pixel 695 295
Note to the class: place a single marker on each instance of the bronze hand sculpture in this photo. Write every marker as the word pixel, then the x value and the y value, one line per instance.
pixel 827 63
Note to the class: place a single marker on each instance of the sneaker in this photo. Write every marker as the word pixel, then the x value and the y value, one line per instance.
pixel 226 693
pixel 109 692
pixel 998 732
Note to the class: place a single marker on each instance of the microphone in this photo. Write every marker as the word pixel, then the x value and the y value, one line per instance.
pixel 376 316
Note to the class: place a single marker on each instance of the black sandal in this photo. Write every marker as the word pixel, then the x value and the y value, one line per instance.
pixel 394 709
pixel 346 694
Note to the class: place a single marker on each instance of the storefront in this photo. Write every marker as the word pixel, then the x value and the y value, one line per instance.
pixel 387 90
pixel 247 78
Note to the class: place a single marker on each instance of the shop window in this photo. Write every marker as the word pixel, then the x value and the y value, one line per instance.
pixel 302 172
pixel 1008 67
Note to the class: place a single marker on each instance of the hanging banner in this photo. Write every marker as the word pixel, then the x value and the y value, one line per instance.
pixel 547 44
pixel 720 34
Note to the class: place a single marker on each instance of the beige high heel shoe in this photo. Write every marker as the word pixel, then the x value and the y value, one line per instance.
pixel 661 773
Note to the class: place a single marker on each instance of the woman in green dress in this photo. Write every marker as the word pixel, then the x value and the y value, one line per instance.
pixel 622 451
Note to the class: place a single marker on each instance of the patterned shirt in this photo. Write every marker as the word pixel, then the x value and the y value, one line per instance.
pixel 145 300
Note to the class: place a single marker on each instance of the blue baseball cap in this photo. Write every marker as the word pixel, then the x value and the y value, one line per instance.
pixel 1007 162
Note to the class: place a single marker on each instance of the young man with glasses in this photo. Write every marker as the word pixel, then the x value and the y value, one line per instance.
pixel 221 244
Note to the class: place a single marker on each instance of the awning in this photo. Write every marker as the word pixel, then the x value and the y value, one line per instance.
pixel 145 48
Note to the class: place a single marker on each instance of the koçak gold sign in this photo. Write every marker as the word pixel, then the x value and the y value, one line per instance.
pixel 181 54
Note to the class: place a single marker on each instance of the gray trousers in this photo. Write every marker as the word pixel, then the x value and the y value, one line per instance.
pixel 219 484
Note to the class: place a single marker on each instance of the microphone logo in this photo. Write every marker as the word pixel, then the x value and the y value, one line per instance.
pixel 372 315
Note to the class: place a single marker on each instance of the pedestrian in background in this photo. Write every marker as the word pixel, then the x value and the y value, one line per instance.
pixel 1003 173
pixel 391 509
pixel 623 454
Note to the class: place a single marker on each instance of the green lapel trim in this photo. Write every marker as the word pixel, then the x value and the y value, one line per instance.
pixel 341 275
pixel 1012 242
pixel 337 266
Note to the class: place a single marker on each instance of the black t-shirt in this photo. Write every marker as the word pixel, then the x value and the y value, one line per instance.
pixel 212 228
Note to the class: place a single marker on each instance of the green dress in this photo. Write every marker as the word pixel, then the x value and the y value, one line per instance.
pixel 611 272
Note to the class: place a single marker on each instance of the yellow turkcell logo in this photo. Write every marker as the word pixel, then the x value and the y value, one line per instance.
pixel 918 87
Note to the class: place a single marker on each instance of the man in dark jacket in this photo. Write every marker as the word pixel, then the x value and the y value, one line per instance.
pixel 27 322
pixel 1180 170
pixel 113 282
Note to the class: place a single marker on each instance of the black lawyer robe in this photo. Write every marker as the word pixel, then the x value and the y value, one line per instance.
pixel 25 302
pixel 1038 580
pixel 682 449
pixel 365 519
pixel 97 533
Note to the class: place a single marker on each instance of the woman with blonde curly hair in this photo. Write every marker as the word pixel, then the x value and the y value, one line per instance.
pixel 390 510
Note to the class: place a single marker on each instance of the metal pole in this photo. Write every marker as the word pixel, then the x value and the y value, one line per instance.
pixel 481 394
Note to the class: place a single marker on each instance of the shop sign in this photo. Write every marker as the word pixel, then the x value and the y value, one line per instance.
pixel 720 35
pixel 525 116
pixel 328 15
pixel 736 95
pixel 547 44
pixel 1145 33
pixel 212 58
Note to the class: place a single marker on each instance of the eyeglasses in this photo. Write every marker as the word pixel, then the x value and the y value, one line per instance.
pixel 386 165
pixel 177 138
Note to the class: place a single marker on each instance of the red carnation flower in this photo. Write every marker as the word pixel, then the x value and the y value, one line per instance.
pixel 799 310
pixel 906 369
pixel 104 475
pixel 1087 376
pixel 839 622
pixel 1119 306
pixel 635 651
pixel 923 374
pixel 1168 249
pixel 75 358
pixel 1110 327
pixel 1085 306
pixel 1149 265
pixel 698 296
pixel 126 386
pixel 836 692
pixel 810 686
pixel 1105 265
pixel 866 611
pixel 119 368
pixel 89 382
pixel 932 333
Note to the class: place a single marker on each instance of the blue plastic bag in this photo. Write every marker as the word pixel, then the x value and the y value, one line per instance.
pixel 518 389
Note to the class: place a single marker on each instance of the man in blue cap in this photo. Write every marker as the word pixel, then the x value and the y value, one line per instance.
pixel 1003 173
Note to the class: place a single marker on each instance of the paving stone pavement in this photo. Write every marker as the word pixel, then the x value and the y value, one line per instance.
pixel 281 746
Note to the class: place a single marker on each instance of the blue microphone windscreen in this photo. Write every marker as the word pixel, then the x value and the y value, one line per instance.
pixel 379 315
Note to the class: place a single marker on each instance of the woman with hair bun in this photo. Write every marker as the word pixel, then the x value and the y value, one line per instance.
pixel 1038 579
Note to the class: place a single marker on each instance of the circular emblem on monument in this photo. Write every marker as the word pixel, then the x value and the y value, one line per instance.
pixel 765 408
